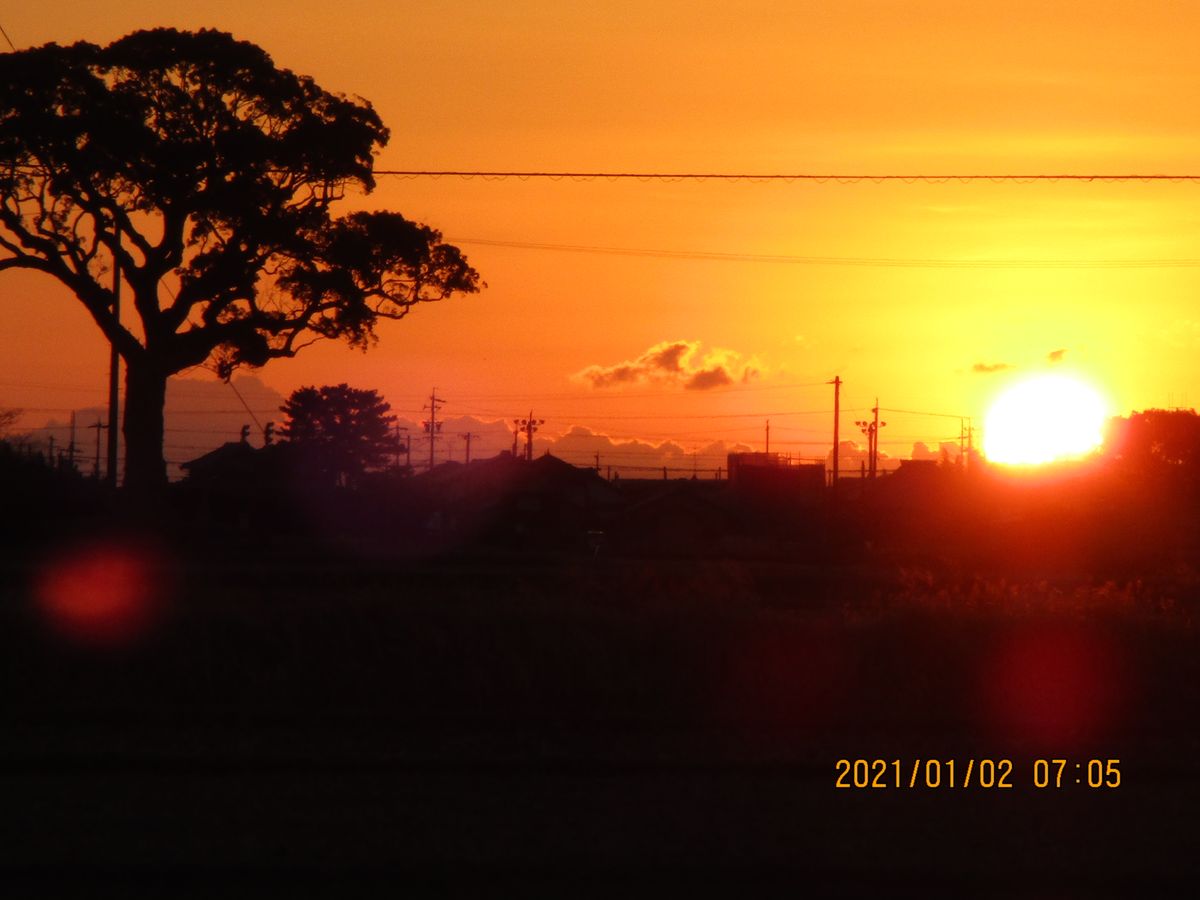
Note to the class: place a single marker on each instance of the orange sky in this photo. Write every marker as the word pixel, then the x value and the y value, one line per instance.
pixel 895 87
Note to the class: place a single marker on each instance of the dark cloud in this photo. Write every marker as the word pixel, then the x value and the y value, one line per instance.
pixel 669 357
pixel 1056 356
pixel 985 368
pixel 706 379
pixel 666 361
pixel 675 363
pixel 624 374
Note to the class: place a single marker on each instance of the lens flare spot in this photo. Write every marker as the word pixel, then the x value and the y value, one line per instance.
pixel 1053 688
pixel 104 592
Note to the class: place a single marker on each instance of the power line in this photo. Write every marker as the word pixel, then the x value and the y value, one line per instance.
pixel 859 261
pixel 828 178
pixel 53 387
pixel 246 406
pixel 216 412
pixel 915 412
pixel 675 417
pixel 592 395
pixel 11 45
pixel 729 389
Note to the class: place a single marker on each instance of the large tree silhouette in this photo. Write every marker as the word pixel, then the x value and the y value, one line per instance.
pixel 206 175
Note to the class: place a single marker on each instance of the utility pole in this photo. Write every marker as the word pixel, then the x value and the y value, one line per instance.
pixel 114 363
pixel 597 462
pixel 467 437
pixel 71 446
pixel 433 426
pixel 875 426
pixel 99 426
pixel 837 400
pixel 401 446
pixel 768 435
pixel 970 445
pixel 529 426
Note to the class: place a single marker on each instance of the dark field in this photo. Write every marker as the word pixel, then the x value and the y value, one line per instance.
pixel 601 726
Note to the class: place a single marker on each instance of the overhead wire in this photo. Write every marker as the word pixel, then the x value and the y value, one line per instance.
pixel 760 177
pixel 728 389
pixel 853 261
pixel 825 178
pixel 915 412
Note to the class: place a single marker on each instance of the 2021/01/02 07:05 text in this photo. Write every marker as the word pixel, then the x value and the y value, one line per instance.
pixel 1000 774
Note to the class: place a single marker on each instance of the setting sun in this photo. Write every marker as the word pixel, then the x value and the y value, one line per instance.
pixel 1047 418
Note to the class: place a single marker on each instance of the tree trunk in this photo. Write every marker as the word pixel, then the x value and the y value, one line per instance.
pixel 145 395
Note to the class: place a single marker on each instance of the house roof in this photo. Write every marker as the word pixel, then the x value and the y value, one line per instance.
pixel 234 460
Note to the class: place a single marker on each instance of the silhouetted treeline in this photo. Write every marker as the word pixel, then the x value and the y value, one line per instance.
pixel 1133 506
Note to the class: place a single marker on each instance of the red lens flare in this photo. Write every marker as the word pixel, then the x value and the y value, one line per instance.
pixel 1054 688
pixel 101 592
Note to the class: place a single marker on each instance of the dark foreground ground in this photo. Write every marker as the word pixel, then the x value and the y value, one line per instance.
pixel 596 727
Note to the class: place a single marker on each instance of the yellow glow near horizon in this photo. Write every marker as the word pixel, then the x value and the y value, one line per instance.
pixel 1044 419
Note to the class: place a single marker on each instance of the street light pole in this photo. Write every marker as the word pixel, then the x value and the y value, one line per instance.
pixel 529 426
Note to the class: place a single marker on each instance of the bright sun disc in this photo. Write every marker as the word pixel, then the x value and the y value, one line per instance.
pixel 1047 418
